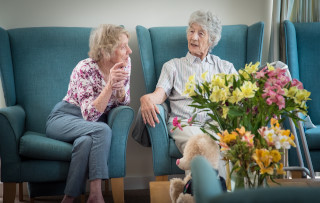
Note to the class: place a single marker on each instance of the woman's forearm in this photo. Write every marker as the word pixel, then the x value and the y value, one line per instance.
pixel 158 96
pixel 101 102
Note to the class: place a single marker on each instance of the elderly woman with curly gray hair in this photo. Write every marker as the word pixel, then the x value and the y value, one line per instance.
pixel 97 84
pixel 203 34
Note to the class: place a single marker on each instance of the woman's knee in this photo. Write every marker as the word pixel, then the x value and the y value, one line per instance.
pixel 103 127
pixel 83 142
pixel 103 131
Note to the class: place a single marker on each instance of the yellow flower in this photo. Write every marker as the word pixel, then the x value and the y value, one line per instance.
pixel 248 89
pixel 225 111
pixel 285 132
pixel 276 156
pixel 217 80
pixel 244 74
pixel 252 68
pixel 227 137
pixel 274 123
pixel 270 67
pixel 241 130
pixel 301 96
pixel 280 170
pixel 230 78
pixel 268 170
pixel 189 87
pixel 291 140
pixel 204 76
pixel 237 96
pixel 263 159
pixel 291 92
pixel 192 79
pixel 224 95
pixel 215 95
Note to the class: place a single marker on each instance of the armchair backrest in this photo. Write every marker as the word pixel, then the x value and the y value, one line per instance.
pixel 35 67
pixel 239 44
pixel 302 56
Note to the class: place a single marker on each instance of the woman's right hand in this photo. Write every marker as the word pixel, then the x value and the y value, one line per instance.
pixel 149 110
pixel 117 76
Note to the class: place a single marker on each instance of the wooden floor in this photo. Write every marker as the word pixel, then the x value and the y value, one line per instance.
pixel 159 192
pixel 130 196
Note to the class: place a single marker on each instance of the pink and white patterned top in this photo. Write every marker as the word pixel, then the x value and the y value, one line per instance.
pixel 86 83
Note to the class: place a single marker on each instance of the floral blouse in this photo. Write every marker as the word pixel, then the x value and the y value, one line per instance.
pixel 86 83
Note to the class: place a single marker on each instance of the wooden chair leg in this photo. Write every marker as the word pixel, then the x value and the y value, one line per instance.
pixel 9 192
pixel 117 190
pixel 228 179
pixel 20 192
pixel 83 198
pixel 162 178
pixel 106 187
pixel 31 200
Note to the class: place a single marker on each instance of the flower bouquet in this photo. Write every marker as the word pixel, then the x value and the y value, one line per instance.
pixel 246 111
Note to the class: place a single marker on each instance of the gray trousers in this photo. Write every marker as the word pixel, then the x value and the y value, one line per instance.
pixel 91 145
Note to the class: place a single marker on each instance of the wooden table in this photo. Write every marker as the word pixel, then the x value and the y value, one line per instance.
pixel 159 190
pixel 300 182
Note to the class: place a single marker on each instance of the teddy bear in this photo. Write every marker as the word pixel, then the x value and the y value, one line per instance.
pixel 203 145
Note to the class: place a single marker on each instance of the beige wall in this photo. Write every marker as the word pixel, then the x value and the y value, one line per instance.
pixel 149 13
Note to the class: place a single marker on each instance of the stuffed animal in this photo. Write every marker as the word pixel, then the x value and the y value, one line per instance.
pixel 203 145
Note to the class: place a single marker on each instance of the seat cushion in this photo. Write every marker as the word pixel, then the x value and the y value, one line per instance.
pixel 313 138
pixel 38 146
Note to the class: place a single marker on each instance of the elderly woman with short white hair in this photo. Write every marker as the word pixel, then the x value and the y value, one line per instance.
pixel 97 84
pixel 203 34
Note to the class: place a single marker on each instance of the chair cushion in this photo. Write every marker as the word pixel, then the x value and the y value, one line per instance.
pixel 313 137
pixel 38 146
pixel 173 149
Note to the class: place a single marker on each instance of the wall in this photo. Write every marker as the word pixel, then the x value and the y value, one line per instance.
pixel 149 13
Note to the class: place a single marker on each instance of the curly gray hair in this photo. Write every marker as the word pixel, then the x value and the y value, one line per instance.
pixel 210 23
pixel 105 38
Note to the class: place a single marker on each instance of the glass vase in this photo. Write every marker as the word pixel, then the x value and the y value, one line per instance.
pixel 242 182
pixel 254 181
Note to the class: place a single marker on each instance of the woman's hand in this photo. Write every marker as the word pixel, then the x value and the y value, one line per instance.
pixel 149 110
pixel 117 76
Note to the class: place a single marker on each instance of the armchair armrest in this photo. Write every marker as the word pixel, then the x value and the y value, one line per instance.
pixel 119 120
pixel 12 121
pixel 14 117
pixel 205 183
pixel 160 144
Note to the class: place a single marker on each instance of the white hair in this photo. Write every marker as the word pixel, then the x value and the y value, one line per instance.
pixel 211 23
pixel 105 38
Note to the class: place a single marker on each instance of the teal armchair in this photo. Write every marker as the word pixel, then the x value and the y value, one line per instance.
pixel 35 67
pixel 207 189
pixel 302 44
pixel 239 44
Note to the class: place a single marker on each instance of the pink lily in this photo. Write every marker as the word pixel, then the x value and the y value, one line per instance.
pixel 176 123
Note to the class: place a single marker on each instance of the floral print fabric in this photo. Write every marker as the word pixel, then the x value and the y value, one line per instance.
pixel 86 83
